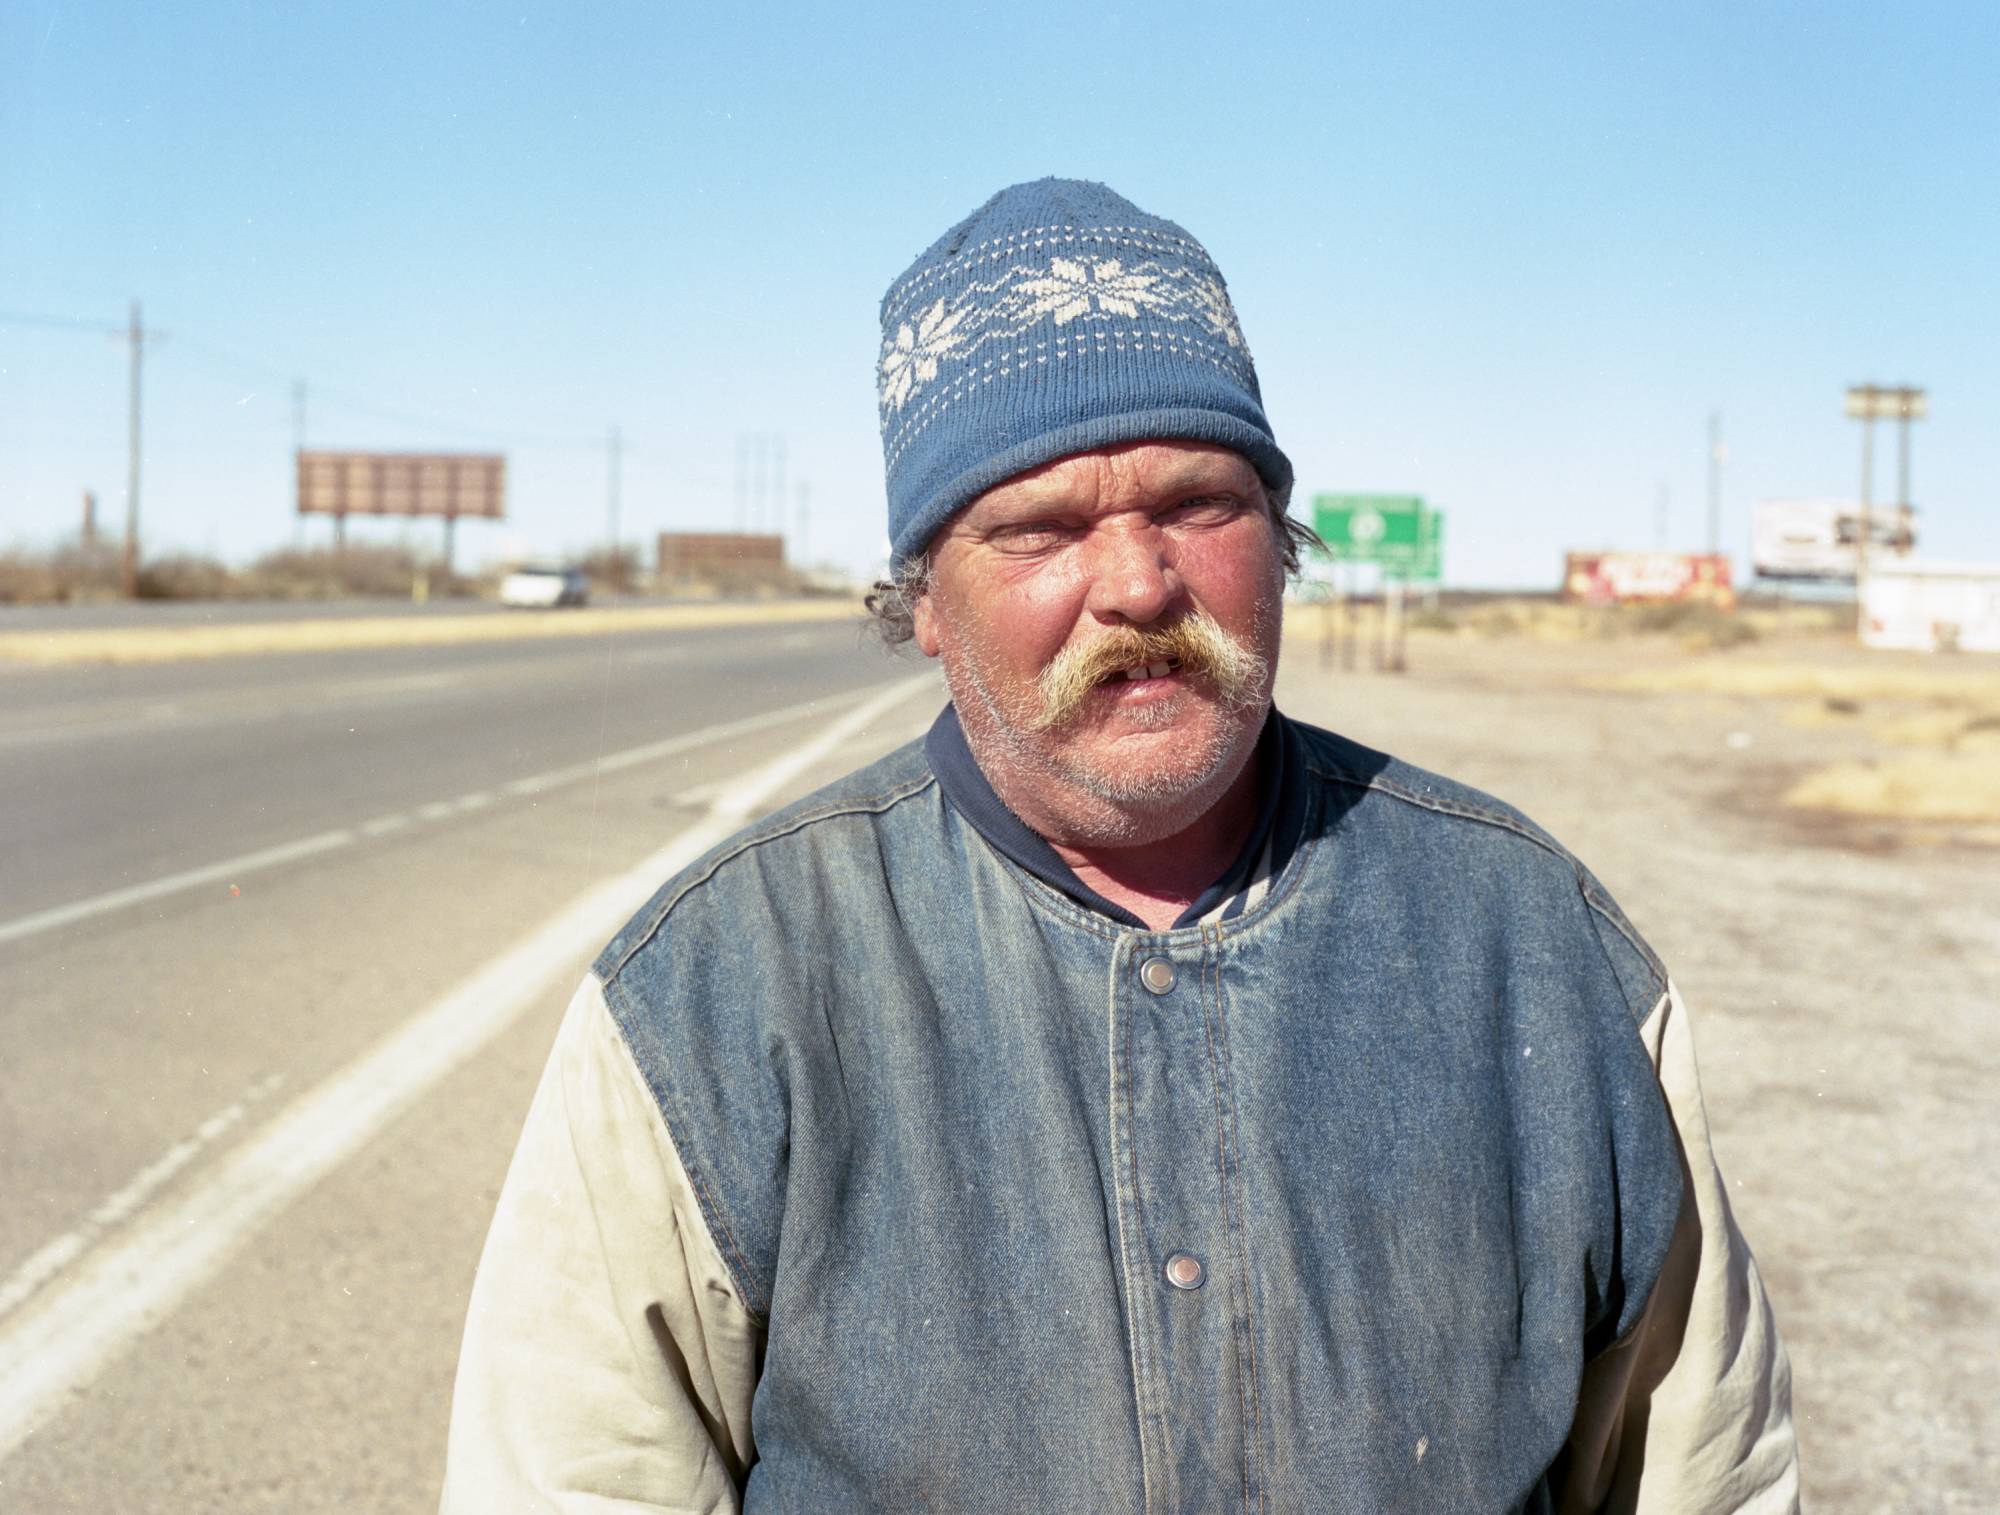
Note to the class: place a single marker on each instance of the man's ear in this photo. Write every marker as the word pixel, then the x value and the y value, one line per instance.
pixel 923 618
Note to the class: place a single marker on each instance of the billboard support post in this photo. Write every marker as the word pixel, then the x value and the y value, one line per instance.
pixel 1352 606
pixel 1403 537
pixel 1867 510
pixel 1867 403
pixel 1398 659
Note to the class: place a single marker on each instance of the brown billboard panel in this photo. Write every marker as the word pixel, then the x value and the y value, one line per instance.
pixel 448 484
pixel 682 553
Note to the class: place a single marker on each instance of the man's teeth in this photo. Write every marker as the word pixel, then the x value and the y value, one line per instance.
pixel 1149 671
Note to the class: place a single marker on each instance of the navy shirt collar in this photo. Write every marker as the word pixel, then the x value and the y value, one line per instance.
pixel 1273 836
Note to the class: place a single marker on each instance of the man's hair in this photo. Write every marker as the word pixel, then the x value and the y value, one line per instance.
pixel 892 603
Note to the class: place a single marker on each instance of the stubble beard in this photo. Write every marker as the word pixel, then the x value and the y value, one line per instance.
pixel 1035 729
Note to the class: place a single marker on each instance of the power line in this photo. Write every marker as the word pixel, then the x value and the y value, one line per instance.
pixel 334 397
pixel 60 323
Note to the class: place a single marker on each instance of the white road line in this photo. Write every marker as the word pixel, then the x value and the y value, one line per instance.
pixel 60 1342
pixel 123 1203
pixel 239 708
pixel 231 869
pixel 174 883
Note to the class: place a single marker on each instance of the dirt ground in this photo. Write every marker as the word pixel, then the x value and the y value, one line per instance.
pixel 1844 971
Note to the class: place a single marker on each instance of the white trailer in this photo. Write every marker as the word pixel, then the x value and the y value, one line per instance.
pixel 1932 607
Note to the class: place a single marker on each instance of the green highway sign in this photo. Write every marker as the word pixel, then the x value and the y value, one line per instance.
pixel 1397 532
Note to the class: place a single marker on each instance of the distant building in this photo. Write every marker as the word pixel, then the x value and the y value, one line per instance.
pixel 1932 607
pixel 729 560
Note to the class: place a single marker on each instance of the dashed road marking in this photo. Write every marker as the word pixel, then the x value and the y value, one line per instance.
pixel 65 1337
pixel 123 1203
pixel 231 869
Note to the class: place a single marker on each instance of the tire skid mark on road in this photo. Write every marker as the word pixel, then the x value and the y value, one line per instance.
pixel 63 1339
pixel 231 869
pixel 123 1203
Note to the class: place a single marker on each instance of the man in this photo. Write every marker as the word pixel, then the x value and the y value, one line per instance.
pixel 1126 1099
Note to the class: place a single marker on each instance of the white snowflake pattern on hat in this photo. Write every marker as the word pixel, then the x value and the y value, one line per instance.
pixel 1216 308
pixel 911 357
pixel 1072 286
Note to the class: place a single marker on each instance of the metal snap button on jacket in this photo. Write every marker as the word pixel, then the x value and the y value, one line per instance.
pixel 1183 1271
pixel 1157 974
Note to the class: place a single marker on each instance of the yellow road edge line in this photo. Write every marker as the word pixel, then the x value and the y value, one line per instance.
pixel 171 644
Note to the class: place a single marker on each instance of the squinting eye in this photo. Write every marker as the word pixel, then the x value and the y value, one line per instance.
pixel 1211 510
pixel 1031 536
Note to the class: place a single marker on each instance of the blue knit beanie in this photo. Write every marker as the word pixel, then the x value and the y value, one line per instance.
pixel 1056 318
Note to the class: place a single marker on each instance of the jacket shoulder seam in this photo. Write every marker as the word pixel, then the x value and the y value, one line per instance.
pixel 750 840
pixel 711 1214
pixel 1603 908
pixel 1591 891
pixel 1497 819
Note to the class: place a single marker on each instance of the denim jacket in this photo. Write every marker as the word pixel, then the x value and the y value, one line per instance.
pixel 871 1173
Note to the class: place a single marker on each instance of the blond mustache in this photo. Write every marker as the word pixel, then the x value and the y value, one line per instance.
pixel 1196 641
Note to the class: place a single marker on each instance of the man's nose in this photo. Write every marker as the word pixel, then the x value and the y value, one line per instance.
pixel 1132 575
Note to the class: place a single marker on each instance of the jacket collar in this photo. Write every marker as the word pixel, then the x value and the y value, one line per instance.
pixel 1273 837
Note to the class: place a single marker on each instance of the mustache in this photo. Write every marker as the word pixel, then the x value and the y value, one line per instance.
pixel 1195 641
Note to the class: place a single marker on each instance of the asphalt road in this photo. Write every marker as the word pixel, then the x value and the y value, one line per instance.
pixel 253 1134
pixel 235 1254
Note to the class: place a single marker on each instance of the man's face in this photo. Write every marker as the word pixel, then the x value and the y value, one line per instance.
pixel 1049 591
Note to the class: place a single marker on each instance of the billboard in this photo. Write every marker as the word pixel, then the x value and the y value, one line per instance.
pixel 448 484
pixel 684 553
pixel 1626 578
pixel 1397 532
pixel 1816 539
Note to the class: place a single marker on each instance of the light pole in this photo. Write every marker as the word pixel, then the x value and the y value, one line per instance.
pixel 615 459
pixel 1868 403
pixel 1714 483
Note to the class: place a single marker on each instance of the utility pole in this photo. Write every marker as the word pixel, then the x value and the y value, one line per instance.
pixel 90 523
pixel 742 477
pixel 615 466
pixel 129 569
pixel 777 526
pixel 805 497
pixel 1714 482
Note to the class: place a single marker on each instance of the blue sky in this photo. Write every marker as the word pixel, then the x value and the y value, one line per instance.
pixel 1508 258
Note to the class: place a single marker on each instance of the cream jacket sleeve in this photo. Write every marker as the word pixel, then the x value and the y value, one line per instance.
pixel 1691 1413
pixel 608 1363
